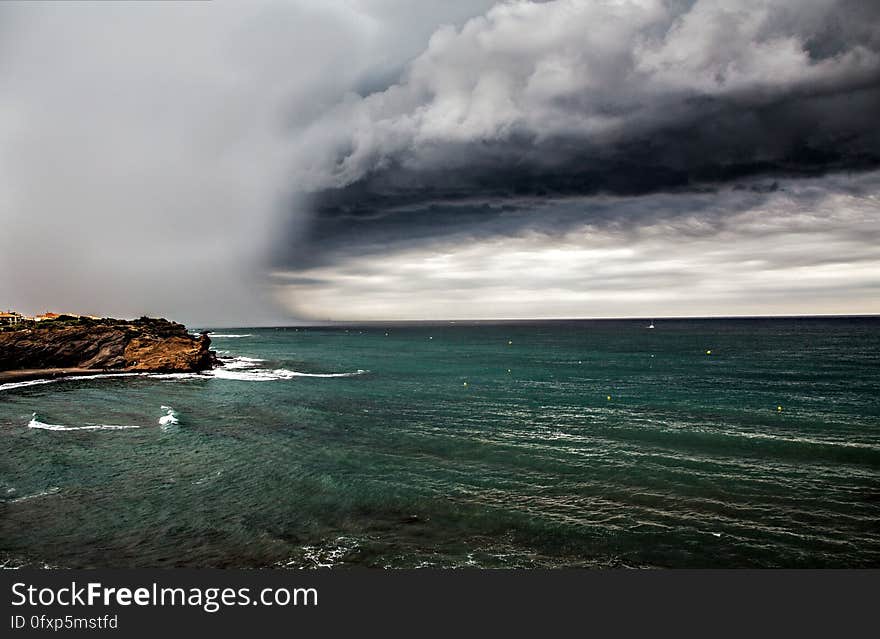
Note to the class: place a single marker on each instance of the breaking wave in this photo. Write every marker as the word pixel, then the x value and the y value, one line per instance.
pixel 245 369
pixel 234 363
pixel 36 423
pixel 169 418
pixel 229 335
pixel 266 375
pixel 66 378
pixel 238 368
pixel 33 382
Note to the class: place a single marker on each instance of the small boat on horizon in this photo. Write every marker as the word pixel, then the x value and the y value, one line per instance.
pixel 651 325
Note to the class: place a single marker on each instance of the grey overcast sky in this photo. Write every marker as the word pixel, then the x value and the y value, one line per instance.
pixel 247 163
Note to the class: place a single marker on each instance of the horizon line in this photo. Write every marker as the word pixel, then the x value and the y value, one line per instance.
pixel 648 318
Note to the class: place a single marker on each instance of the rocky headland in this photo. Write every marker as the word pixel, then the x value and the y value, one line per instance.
pixel 83 346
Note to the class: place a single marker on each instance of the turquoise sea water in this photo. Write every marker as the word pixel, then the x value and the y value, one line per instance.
pixel 451 445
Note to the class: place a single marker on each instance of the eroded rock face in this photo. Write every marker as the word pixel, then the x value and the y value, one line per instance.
pixel 146 344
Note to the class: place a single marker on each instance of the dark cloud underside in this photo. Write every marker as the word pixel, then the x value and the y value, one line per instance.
pixel 669 120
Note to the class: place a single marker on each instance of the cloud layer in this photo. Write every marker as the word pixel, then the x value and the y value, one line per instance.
pixel 547 159
pixel 573 97
pixel 808 246
pixel 643 84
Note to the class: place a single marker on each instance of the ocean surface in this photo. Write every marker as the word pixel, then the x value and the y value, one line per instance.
pixel 700 443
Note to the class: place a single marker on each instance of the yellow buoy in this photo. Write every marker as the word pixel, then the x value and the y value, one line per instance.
pixel 609 398
pixel 465 384
pixel 509 342
pixel 708 352
pixel 779 409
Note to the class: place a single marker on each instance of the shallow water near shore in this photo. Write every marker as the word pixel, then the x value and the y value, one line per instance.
pixel 700 443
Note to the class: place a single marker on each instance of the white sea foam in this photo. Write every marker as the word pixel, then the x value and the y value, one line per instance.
pixel 32 382
pixel 240 368
pixel 169 418
pixel 36 423
pixel 176 375
pixel 286 374
pixel 14 563
pixel 49 491
pixel 234 368
pixel 229 335
pixel 267 375
pixel 66 378
pixel 245 369
pixel 244 375
pixel 233 363
pixel 206 478
pixel 327 555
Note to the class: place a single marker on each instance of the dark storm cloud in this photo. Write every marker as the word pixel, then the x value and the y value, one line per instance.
pixel 567 98
pixel 693 214
pixel 805 245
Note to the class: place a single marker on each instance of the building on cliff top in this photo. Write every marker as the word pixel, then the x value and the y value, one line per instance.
pixel 46 316
pixel 50 316
pixel 11 317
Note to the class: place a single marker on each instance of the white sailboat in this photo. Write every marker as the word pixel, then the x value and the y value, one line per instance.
pixel 651 325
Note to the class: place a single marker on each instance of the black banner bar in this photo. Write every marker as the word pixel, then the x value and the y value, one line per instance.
pixel 410 603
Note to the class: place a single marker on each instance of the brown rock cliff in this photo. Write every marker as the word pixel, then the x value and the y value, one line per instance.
pixel 146 344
